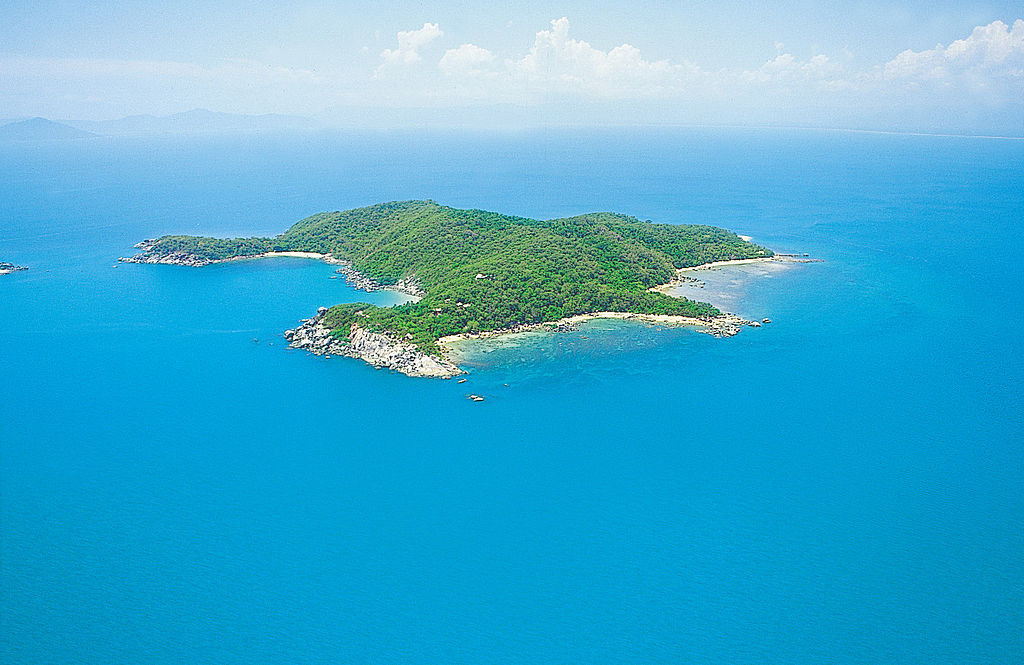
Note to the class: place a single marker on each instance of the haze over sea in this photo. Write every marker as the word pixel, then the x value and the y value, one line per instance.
pixel 843 485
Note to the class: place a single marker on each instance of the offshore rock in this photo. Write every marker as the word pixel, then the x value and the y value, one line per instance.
pixel 724 325
pixel 10 267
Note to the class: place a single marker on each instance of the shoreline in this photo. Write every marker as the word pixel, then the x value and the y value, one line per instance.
pixel 383 350
pixel 681 278
pixel 445 364
pixel 353 277
pixel 724 325
pixel 777 258
pixel 298 255
pixel 374 348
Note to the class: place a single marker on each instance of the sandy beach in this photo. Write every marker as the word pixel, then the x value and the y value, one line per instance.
pixel 778 258
pixel 270 255
pixel 300 255
pixel 734 262
pixel 725 325
pixel 327 258
pixel 681 277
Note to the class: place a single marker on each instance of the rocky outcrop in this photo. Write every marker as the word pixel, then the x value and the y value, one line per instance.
pixel 10 267
pixel 358 280
pixel 147 255
pixel 725 325
pixel 383 350
pixel 376 348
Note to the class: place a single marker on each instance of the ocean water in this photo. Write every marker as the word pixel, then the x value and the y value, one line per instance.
pixel 844 485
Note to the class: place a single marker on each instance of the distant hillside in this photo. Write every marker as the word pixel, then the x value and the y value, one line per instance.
pixel 197 121
pixel 40 129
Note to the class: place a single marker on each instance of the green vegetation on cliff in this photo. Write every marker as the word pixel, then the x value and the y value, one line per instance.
pixel 486 271
pixel 213 249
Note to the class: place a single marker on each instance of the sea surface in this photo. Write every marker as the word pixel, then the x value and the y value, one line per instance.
pixel 843 485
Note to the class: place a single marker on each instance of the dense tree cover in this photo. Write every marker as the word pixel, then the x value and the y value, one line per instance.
pixel 532 271
pixel 341 317
pixel 214 249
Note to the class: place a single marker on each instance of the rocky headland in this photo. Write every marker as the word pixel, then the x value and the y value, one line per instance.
pixel 148 255
pixel 358 280
pixel 383 350
pixel 151 252
pixel 377 349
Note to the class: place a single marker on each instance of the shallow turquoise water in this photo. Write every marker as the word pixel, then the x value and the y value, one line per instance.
pixel 843 485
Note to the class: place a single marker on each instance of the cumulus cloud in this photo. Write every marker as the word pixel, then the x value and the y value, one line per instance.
pixel 409 44
pixel 558 66
pixel 787 69
pixel 993 50
pixel 562 63
pixel 468 59
pixel 555 67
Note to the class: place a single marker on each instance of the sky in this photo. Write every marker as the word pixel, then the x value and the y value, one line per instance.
pixel 927 66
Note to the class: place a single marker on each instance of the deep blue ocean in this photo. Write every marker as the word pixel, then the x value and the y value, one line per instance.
pixel 844 485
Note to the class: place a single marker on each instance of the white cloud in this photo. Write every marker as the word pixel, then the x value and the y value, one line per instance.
pixel 559 63
pixel 468 59
pixel 991 51
pixel 558 67
pixel 786 69
pixel 555 69
pixel 409 43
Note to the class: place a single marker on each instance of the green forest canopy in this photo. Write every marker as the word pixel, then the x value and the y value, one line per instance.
pixel 534 271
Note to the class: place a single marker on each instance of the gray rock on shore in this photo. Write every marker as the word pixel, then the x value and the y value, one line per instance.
pixel 375 348
pixel 146 255
pixel 358 280
pixel 724 325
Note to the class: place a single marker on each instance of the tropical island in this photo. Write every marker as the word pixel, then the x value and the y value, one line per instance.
pixel 478 273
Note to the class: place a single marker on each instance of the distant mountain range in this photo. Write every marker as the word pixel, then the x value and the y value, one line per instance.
pixel 195 121
pixel 40 129
pixel 484 117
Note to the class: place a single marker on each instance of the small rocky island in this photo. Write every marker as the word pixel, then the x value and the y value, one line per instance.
pixel 476 274
pixel 6 268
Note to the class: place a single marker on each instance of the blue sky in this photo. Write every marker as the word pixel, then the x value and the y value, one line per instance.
pixel 909 65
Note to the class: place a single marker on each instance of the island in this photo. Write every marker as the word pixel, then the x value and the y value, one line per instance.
pixel 40 129
pixel 6 268
pixel 474 273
